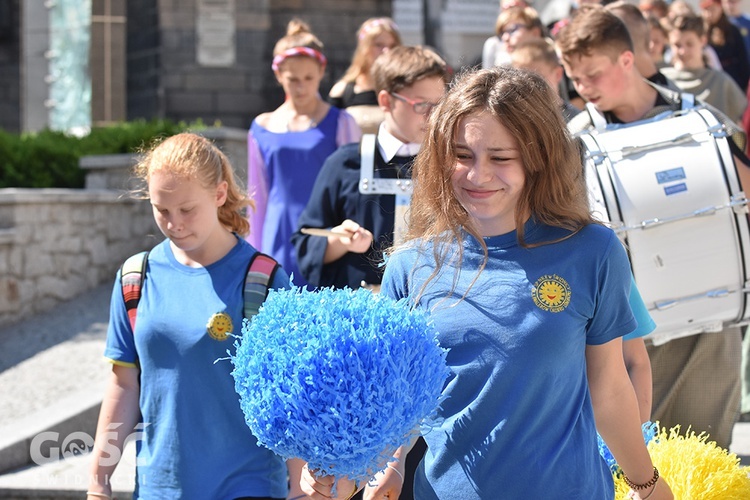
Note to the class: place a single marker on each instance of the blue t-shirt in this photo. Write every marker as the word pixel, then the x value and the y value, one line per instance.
pixel 195 443
pixel 518 421
pixel 645 322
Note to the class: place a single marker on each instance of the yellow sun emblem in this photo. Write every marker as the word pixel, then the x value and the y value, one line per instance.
pixel 551 293
pixel 220 326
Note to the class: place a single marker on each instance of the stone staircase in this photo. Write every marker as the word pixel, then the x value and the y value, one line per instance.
pixel 52 376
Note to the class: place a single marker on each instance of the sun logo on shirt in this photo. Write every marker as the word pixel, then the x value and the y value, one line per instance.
pixel 551 293
pixel 220 326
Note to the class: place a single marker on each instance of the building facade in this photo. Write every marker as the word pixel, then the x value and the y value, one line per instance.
pixel 68 64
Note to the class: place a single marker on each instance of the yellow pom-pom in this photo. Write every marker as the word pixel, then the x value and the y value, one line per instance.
pixel 695 468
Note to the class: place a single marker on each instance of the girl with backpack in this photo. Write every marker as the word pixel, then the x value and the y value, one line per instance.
pixel 166 387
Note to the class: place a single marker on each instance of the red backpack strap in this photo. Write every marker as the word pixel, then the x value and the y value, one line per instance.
pixel 132 274
pixel 258 280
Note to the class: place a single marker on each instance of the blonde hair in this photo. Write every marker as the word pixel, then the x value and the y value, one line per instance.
pixel 192 156
pixel 635 22
pixel 519 15
pixel 554 191
pixel 366 35
pixel 298 34
pixel 535 50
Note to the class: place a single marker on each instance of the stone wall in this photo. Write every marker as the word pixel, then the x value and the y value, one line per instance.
pixel 58 243
pixel 115 171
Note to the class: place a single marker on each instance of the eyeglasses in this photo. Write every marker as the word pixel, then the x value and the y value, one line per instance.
pixel 419 107
pixel 512 28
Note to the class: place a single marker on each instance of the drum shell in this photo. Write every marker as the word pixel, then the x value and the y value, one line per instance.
pixel 670 189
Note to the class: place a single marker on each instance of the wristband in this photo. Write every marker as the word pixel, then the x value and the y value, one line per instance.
pixel 397 472
pixel 645 485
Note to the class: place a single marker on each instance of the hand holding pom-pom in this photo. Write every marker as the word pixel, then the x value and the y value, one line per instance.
pixel 338 378
pixel 327 487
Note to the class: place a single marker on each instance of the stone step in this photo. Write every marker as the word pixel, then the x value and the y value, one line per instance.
pixel 67 478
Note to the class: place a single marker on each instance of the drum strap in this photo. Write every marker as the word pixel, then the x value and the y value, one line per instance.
pixel 738 153
pixel 597 119
pixel 687 101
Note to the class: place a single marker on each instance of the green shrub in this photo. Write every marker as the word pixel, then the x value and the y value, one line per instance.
pixel 50 159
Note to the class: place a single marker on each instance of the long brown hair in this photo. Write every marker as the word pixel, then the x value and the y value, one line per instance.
pixel 554 191
pixel 366 35
pixel 195 157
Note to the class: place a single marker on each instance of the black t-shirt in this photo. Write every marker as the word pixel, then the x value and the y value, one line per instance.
pixel 350 98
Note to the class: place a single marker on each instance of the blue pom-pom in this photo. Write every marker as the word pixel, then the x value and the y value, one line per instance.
pixel 338 378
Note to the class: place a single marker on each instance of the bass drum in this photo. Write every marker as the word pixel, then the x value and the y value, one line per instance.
pixel 670 190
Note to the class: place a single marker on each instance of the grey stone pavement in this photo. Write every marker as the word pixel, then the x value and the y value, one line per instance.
pixel 52 376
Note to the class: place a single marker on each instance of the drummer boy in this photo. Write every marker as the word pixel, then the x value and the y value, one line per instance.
pixel 696 378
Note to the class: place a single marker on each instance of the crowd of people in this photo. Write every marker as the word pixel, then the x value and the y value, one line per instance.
pixel 534 299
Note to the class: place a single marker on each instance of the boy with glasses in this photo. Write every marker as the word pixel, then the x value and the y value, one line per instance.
pixel 514 26
pixel 408 81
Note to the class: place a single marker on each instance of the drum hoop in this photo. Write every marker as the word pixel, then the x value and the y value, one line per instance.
pixel 603 170
pixel 732 179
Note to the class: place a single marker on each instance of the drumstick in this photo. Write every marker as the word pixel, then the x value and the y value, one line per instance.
pixel 314 231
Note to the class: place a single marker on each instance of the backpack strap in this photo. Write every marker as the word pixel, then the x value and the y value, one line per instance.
pixel 258 281
pixel 132 274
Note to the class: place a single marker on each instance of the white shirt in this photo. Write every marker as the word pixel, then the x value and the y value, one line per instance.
pixel 389 146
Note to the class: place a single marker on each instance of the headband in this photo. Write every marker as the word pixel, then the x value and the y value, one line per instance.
pixel 367 28
pixel 298 51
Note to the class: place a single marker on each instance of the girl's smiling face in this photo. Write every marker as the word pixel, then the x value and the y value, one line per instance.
pixel 489 176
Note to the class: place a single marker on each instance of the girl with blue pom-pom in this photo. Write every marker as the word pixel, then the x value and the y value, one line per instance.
pixel 530 298
pixel 165 385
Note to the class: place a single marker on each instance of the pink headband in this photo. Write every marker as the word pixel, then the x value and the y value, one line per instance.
pixel 298 51
pixel 367 28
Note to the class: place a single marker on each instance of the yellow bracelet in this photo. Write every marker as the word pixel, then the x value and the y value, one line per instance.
pixel 100 495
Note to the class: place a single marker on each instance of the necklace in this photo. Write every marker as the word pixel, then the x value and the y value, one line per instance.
pixel 312 123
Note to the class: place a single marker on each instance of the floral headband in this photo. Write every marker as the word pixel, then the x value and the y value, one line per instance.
pixel 298 51
pixel 369 27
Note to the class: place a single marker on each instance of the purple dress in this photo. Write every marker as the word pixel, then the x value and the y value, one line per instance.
pixel 281 180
